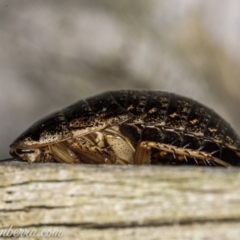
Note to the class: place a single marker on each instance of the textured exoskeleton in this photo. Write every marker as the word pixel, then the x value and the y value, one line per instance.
pixel 131 127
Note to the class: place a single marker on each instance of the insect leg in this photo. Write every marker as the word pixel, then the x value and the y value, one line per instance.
pixel 143 153
pixel 62 153
pixel 123 151
pixel 91 153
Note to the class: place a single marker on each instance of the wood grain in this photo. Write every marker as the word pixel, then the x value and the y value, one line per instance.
pixel 121 202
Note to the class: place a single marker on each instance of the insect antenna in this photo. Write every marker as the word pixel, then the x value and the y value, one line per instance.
pixel 8 159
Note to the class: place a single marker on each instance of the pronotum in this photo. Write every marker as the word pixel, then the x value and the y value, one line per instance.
pixel 131 127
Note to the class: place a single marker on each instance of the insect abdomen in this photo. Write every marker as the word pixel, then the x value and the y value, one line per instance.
pixel 178 121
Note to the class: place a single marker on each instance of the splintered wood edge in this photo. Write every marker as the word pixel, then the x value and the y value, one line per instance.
pixel 133 202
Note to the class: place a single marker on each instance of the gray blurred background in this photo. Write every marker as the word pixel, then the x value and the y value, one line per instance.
pixel 53 53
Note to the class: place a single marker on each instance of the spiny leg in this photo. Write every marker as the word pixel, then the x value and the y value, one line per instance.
pixel 144 149
pixel 91 153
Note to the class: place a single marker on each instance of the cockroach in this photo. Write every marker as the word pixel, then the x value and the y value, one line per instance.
pixel 131 127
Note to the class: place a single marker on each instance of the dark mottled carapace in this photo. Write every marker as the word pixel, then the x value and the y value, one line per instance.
pixel 176 129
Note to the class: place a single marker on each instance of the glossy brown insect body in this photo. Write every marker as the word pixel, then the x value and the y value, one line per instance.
pixel 131 127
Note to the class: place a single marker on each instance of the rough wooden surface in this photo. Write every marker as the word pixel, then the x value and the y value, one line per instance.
pixel 115 202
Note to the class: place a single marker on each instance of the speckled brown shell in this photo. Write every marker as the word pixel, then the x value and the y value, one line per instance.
pixel 152 116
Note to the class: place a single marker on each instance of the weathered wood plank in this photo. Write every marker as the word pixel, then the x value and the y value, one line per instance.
pixel 117 202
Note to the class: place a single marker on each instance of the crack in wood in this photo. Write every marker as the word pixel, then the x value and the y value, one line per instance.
pixel 27 209
pixel 39 181
pixel 123 225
